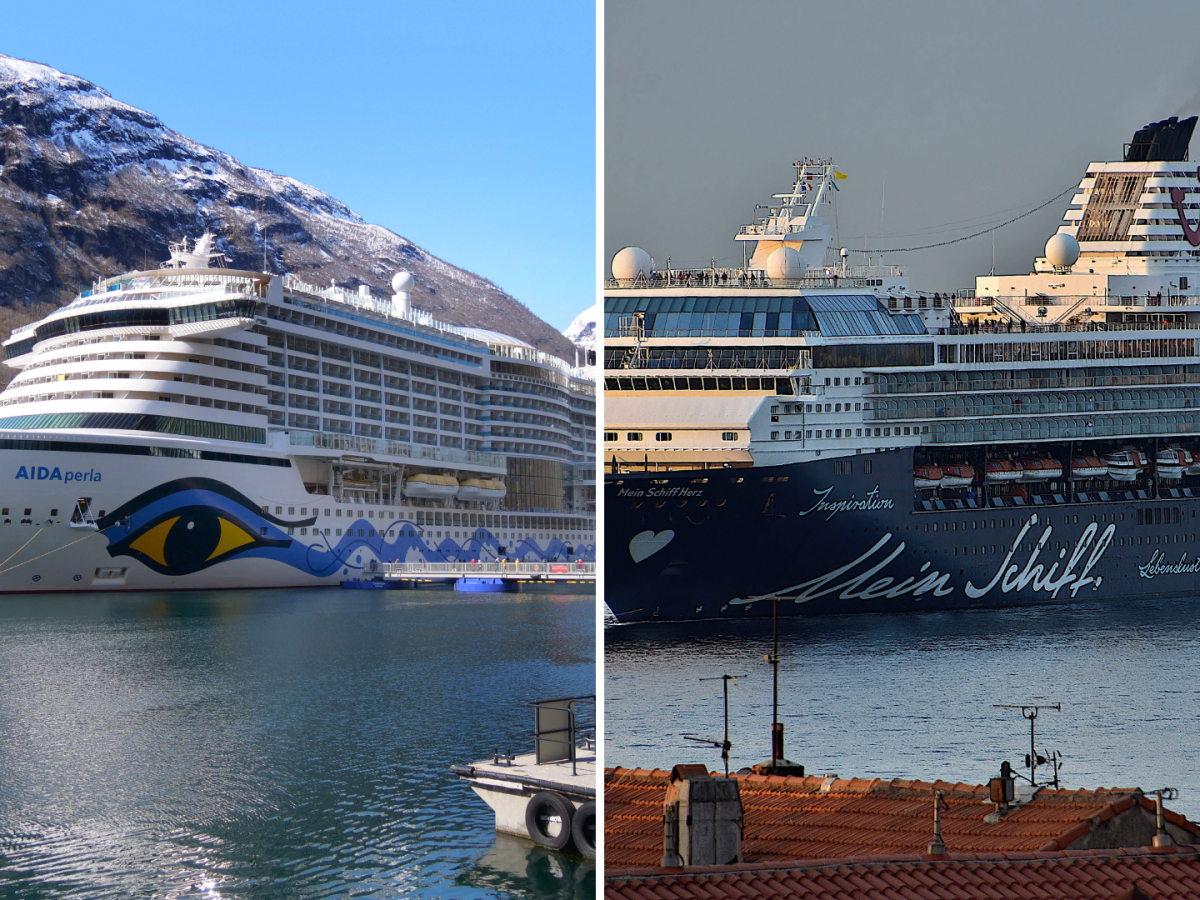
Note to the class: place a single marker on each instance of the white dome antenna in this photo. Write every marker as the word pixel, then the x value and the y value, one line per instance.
pixel 632 263
pixel 1062 251
pixel 785 264
pixel 402 284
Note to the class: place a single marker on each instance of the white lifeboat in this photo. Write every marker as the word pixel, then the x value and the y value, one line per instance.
pixel 1172 461
pixel 957 475
pixel 1002 470
pixel 1125 464
pixel 481 489
pixel 1088 467
pixel 428 486
pixel 1040 469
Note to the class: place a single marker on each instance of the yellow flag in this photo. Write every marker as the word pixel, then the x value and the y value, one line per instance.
pixel 840 175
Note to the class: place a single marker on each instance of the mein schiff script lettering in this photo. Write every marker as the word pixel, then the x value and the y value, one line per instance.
pixel 858 579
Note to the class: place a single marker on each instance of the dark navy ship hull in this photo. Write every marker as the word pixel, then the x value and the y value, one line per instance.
pixel 843 536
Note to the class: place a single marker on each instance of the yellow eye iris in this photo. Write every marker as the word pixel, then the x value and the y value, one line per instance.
pixel 232 537
pixel 153 541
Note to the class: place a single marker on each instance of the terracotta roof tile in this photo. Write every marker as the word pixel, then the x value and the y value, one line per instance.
pixel 1087 875
pixel 789 818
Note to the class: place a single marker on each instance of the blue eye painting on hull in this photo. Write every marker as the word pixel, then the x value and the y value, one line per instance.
pixel 189 524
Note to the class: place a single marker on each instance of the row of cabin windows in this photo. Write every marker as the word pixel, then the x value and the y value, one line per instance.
pixel 837 382
pixel 789 408
pixel 661 436
pixel 462 520
pixel 1158 515
pixel 816 433
pixel 1138 541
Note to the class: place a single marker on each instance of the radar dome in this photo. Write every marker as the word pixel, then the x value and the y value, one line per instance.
pixel 785 263
pixel 630 263
pixel 1062 251
pixel 402 282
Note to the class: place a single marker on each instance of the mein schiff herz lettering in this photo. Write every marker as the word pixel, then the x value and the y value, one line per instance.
pixel 814 433
pixel 200 427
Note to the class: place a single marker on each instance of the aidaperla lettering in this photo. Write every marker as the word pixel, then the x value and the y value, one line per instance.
pixel 46 473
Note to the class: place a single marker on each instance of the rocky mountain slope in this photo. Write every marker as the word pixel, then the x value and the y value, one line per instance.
pixel 582 330
pixel 90 187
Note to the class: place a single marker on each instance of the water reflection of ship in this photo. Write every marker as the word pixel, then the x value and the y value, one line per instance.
pixel 513 866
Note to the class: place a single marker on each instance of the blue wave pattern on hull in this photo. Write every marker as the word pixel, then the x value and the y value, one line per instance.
pixel 184 526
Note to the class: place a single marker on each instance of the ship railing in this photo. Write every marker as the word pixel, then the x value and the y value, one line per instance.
pixel 378 446
pixel 1069 328
pixel 1075 427
pixel 1031 408
pixel 1032 384
pixel 715 332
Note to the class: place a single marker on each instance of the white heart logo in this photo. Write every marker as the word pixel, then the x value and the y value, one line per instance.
pixel 647 543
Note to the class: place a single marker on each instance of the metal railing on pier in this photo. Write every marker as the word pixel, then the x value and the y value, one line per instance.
pixel 502 568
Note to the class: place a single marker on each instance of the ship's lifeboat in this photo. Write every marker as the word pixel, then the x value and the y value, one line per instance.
pixel 1002 470
pixel 1171 462
pixel 431 487
pixel 1125 465
pixel 1040 469
pixel 481 489
pixel 957 475
pixel 1088 467
pixel 925 477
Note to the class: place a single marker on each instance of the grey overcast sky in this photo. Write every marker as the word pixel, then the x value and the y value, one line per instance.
pixel 969 112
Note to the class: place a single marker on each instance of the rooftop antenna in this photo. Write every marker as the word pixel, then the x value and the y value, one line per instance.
pixel 723 744
pixel 1032 760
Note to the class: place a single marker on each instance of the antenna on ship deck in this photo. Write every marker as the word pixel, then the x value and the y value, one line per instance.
pixel 723 744
pixel 1032 760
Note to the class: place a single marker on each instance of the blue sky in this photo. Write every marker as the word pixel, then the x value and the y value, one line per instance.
pixel 466 127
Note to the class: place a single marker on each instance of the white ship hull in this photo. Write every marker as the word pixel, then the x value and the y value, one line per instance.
pixel 181 524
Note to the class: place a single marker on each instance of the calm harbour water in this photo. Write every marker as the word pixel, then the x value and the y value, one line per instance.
pixel 275 744
pixel 911 696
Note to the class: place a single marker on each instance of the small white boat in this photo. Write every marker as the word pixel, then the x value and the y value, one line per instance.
pixel 548 796
pixel 957 475
pixel 1040 469
pixel 1126 464
pixel 428 486
pixel 926 477
pixel 1088 467
pixel 1002 470
pixel 481 489
pixel 1171 462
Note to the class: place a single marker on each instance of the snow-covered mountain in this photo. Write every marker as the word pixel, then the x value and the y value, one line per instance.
pixel 90 186
pixel 582 330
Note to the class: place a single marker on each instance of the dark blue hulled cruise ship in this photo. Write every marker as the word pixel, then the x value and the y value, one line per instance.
pixel 804 431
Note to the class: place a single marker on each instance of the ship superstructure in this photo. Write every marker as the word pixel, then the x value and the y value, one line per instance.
pixel 830 438
pixel 199 426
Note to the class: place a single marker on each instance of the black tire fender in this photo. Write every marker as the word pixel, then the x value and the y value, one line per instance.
pixel 583 830
pixel 540 811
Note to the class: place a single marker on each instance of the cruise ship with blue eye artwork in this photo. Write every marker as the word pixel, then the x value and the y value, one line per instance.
pixel 199 427
pixel 816 437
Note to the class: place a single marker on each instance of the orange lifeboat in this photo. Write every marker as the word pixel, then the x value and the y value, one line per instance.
pixel 1040 469
pixel 957 475
pixel 1002 470
pixel 926 477
pixel 1088 467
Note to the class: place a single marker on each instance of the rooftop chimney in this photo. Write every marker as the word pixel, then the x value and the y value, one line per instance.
pixel 702 819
